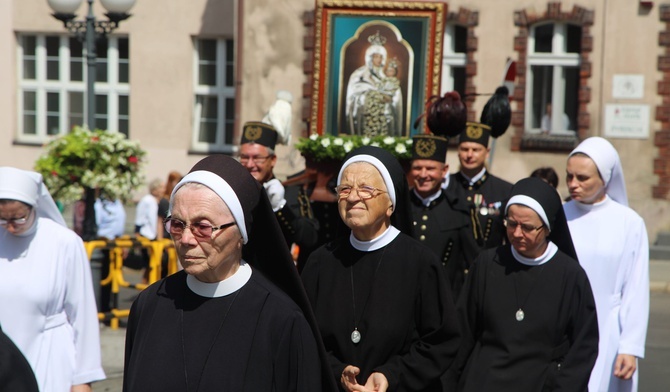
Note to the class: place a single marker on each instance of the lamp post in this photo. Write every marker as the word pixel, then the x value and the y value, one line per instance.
pixel 87 31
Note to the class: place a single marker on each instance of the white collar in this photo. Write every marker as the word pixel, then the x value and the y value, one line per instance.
pixel 546 256
pixel 592 207
pixel 476 177
pixel 377 243
pixel 426 202
pixel 222 288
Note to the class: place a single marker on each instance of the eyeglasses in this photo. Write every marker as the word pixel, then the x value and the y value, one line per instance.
pixel 16 221
pixel 525 227
pixel 364 192
pixel 257 160
pixel 199 229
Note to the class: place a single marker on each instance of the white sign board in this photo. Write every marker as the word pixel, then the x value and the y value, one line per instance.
pixel 628 86
pixel 627 121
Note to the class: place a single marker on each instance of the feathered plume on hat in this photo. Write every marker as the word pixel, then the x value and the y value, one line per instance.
pixel 497 113
pixel 445 116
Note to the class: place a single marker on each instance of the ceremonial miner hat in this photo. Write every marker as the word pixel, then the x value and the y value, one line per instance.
pixel 429 147
pixel 258 132
pixel 475 132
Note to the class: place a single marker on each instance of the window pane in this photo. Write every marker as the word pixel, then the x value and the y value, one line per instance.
pixel 29 69
pixel 123 115
pixel 101 112
pixel 459 79
pixel 29 64
pixel 571 103
pixel 29 114
pixel 123 48
pixel 29 45
pixel 101 60
pixel 76 61
pixel 542 83
pixel 53 113
pixel 208 118
pixel 76 109
pixel 543 38
pixel 207 74
pixel 207 50
pixel 52 44
pixel 230 63
pixel 574 41
pixel 124 71
pixel 460 39
pixel 230 120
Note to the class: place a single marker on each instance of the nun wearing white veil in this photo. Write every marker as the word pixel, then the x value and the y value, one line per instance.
pixel 612 246
pixel 48 305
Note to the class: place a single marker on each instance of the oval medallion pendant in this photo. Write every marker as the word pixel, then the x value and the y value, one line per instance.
pixel 519 315
pixel 355 336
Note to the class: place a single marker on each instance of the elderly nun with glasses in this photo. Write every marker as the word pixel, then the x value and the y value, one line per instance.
pixel 236 317
pixel 48 305
pixel 381 298
pixel 527 310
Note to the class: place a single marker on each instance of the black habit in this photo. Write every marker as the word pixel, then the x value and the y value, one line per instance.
pixel 486 199
pixel 403 311
pixel 448 232
pixel 255 339
pixel 554 347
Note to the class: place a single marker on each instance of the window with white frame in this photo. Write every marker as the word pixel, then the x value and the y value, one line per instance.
pixel 552 91
pixel 454 59
pixel 52 85
pixel 214 102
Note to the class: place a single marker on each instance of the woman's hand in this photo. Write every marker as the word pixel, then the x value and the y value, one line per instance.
pixel 377 382
pixel 348 379
pixel 81 388
pixel 625 366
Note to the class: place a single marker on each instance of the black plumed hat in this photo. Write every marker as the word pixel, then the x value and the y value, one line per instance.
pixel 261 133
pixel 429 147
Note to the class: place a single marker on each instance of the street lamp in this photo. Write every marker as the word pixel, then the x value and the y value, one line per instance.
pixel 87 32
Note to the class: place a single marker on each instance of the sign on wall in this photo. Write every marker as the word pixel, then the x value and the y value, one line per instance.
pixel 627 121
pixel 628 86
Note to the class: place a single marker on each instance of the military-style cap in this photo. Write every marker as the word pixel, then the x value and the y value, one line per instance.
pixel 429 147
pixel 261 133
pixel 475 132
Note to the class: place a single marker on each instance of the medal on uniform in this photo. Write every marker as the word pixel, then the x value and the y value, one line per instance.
pixel 484 211
pixel 356 336
pixel 519 315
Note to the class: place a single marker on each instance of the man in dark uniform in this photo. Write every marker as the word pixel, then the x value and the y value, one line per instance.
pixel 258 156
pixel 441 220
pixel 310 193
pixel 485 193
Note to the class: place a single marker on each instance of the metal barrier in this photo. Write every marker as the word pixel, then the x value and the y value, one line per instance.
pixel 115 277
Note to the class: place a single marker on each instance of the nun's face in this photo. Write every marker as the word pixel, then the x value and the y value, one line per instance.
pixel 583 180
pixel 213 258
pixel 526 231
pixel 17 216
pixel 368 218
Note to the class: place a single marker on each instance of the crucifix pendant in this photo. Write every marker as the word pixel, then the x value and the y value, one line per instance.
pixel 355 336
pixel 520 315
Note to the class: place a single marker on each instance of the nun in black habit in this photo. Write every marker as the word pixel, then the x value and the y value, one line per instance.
pixel 236 318
pixel 527 310
pixel 381 298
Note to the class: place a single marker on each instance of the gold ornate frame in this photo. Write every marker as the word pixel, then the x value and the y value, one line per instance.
pixel 419 24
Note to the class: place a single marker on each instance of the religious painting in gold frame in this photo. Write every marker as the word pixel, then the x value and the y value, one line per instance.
pixel 375 65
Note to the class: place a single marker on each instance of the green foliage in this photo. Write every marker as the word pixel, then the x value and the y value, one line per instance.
pixel 98 159
pixel 320 148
